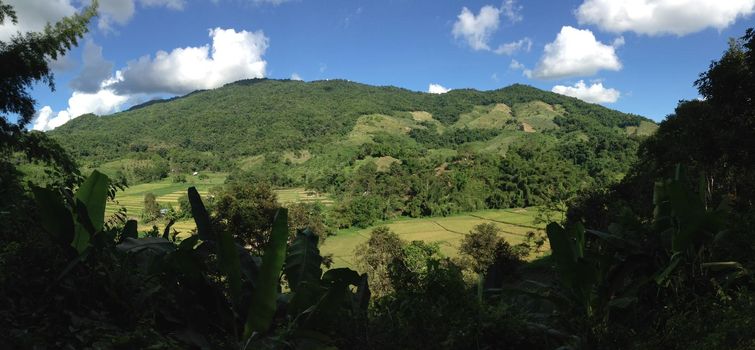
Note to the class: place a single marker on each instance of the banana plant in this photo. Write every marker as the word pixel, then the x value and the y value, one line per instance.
pixel 75 220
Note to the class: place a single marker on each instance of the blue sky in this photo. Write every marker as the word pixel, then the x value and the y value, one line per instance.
pixel 638 56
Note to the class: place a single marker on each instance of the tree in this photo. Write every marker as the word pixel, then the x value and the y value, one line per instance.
pixel 24 61
pixel 309 216
pixel 715 137
pixel 484 249
pixel 151 209
pixel 479 246
pixel 375 256
pixel 246 210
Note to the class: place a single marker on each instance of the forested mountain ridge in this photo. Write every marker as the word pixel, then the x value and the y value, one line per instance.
pixel 382 152
pixel 254 117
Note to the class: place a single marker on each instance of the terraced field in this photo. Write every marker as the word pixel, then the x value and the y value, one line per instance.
pixel 167 193
pixel 447 231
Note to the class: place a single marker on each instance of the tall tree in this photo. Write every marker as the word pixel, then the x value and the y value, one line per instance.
pixel 25 60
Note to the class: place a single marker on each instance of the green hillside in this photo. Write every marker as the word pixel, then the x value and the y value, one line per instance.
pixel 220 128
pixel 382 152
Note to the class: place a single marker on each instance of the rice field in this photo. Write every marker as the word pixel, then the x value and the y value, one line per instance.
pixel 446 231
pixel 167 193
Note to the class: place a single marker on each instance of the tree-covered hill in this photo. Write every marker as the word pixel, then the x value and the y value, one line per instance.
pixel 381 151
pixel 223 127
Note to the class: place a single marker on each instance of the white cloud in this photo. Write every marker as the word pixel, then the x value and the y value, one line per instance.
pixel 296 76
pixel 476 30
pixel 121 11
pixel 104 101
pixel 232 56
pixel 95 70
pixel 33 15
pixel 595 93
pixel 511 10
pixel 514 47
pixel 657 17
pixel 437 89
pixel 516 65
pixel 575 52
pixel 618 42
pixel 171 4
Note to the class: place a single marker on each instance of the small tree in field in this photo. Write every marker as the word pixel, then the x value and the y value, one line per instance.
pixel 151 208
pixel 483 247
pixel 479 246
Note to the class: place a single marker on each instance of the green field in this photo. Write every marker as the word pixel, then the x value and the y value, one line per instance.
pixel 168 192
pixel 447 231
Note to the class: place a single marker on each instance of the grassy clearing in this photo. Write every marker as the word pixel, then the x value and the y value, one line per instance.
pixel 447 231
pixel 300 194
pixel 645 129
pixel 485 117
pixel 539 115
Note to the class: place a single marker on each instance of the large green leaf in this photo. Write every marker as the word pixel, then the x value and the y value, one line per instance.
pixel 303 260
pixel 264 296
pixel 93 193
pixel 230 265
pixel 90 198
pixel 337 296
pixel 201 217
pixel 563 249
pixel 54 216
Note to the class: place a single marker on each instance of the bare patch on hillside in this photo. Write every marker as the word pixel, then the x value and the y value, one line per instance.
pixel 421 116
pixel 526 127
pixel 384 163
pixel 297 157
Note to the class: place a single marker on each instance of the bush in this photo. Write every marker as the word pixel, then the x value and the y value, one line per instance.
pixel 179 178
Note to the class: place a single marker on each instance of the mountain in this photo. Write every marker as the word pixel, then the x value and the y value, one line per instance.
pixel 316 125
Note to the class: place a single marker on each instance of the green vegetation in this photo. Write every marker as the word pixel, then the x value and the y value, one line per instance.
pixel 381 152
pixel 446 232
pixel 655 251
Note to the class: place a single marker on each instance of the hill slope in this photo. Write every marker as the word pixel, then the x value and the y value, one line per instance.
pixel 226 127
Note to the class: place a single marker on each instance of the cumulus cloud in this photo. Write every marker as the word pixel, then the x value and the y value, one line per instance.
pixel 121 11
pixel 657 17
pixel 95 69
pixel 437 89
pixel 104 101
pixel 575 52
pixel 33 15
pixel 595 93
pixel 232 56
pixel 514 47
pixel 296 76
pixel 476 30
